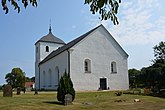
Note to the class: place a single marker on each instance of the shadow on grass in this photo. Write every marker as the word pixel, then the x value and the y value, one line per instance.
pixel 53 102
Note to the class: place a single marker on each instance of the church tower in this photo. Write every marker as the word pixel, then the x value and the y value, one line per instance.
pixel 43 48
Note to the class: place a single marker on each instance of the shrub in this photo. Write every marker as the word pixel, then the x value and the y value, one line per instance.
pixel 118 93
pixel 147 91
pixel 65 87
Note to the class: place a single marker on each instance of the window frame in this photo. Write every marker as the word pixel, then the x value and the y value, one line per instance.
pixel 113 67
pixel 87 66
pixel 47 48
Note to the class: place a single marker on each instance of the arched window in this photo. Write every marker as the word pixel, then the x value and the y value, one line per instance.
pixel 87 66
pixel 57 74
pixel 113 67
pixel 50 78
pixel 47 48
pixel 44 81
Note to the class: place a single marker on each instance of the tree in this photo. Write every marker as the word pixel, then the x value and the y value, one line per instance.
pixel 159 63
pixel 159 51
pixel 15 3
pixel 16 78
pixel 27 79
pixel 107 9
pixel 154 75
pixel 65 87
pixel 133 75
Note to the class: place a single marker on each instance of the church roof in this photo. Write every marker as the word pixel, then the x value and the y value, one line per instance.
pixel 72 43
pixel 50 38
pixel 67 46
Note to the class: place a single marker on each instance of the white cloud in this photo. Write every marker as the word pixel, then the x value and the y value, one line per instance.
pixel 141 23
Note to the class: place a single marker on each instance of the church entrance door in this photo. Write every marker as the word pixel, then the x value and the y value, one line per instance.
pixel 103 83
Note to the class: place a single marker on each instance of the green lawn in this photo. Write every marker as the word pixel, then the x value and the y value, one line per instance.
pixel 84 100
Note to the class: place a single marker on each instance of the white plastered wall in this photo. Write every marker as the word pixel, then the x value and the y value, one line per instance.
pixel 101 49
pixel 60 61
pixel 40 54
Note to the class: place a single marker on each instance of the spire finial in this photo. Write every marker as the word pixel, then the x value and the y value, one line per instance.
pixel 50 29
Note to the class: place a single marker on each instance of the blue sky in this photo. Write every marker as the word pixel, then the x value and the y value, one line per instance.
pixel 142 25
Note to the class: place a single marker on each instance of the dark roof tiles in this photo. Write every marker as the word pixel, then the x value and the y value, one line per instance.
pixel 67 46
pixel 50 38
pixel 73 42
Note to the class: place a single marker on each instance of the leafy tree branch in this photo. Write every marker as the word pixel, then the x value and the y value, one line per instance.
pixel 107 9
pixel 14 3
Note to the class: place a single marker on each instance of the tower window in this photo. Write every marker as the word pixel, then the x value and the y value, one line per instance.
pixel 87 66
pixel 47 48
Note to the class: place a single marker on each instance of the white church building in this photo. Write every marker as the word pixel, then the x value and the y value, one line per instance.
pixel 95 61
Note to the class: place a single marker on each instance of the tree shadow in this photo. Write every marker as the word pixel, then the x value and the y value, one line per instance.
pixel 53 102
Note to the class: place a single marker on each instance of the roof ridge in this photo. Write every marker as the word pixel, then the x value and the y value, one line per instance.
pixel 68 45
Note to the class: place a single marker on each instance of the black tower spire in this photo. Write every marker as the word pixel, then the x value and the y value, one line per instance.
pixel 50 29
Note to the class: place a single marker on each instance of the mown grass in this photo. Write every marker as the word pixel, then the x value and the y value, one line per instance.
pixel 83 101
